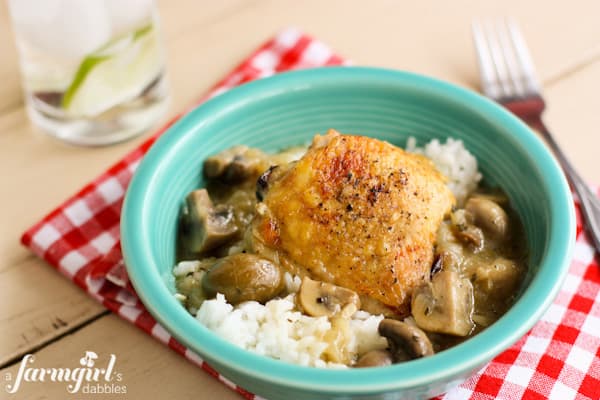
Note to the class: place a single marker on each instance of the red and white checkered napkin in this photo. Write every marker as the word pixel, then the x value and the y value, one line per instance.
pixel 558 358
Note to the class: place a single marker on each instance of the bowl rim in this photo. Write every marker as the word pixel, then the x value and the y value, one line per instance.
pixel 445 365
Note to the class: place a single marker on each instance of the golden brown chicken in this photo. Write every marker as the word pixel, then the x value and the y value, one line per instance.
pixel 356 212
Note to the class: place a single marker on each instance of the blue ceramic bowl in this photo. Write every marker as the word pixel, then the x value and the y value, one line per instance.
pixel 289 109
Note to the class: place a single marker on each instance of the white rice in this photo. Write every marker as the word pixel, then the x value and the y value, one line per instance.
pixel 186 267
pixel 279 330
pixel 454 161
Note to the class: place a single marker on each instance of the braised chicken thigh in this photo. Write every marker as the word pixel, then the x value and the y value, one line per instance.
pixel 356 212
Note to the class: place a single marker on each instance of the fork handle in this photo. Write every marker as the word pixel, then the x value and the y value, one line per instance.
pixel 590 205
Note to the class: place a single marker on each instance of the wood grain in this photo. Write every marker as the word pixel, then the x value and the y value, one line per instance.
pixel 38 311
pixel 573 118
pixel 149 370
pixel 10 90
pixel 204 40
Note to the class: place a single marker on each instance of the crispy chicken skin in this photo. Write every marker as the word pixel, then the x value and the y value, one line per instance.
pixel 356 212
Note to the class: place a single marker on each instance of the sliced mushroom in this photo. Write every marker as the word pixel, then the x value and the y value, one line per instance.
pixel 445 260
pixel 325 299
pixel 374 358
pixel 444 305
pixel 488 215
pixel 464 229
pixel 499 278
pixel 243 277
pixel 473 236
pixel 206 226
pixel 450 260
pixel 449 251
pixel 406 342
pixel 235 164
pixel 461 218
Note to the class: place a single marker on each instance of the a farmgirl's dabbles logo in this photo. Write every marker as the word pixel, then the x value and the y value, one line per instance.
pixel 86 378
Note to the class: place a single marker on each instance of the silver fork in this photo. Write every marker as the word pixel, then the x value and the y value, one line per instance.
pixel 508 77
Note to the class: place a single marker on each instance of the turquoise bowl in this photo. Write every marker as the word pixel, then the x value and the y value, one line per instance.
pixel 289 109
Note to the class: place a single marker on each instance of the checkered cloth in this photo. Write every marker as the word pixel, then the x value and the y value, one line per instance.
pixel 558 358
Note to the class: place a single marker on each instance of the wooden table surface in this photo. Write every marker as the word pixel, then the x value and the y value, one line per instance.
pixel 44 314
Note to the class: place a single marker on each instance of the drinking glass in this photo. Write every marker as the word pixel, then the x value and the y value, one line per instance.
pixel 93 71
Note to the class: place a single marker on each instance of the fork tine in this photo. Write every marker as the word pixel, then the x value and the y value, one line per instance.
pixel 531 83
pixel 515 71
pixel 486 67
pixel 498 60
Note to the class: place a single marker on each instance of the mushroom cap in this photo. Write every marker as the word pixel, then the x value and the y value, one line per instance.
pixel 405 340
pixel 243 277
pixel 488 215
pixel 374 358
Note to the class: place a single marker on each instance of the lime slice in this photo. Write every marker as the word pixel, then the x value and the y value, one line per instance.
pixel 117 72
